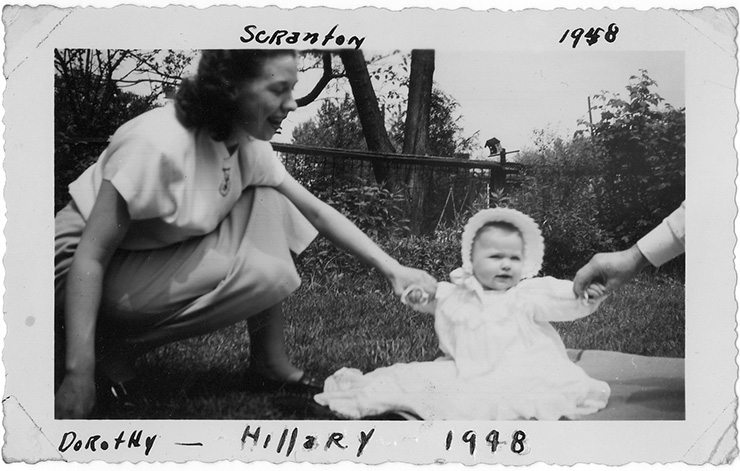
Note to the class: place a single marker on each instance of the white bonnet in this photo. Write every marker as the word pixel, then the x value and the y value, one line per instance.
pixel 534 244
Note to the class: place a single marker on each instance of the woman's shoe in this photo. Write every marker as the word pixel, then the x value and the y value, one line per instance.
pixel 113 395
pixel 306 385
pixel 394 415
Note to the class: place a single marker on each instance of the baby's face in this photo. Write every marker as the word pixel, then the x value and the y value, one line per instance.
pixel 498 256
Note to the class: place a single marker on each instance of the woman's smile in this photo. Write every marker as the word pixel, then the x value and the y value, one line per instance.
pixel 267 100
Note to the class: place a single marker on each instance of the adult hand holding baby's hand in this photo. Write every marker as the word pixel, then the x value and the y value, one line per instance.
pixel 610 270
pixel 415 296
pixel 403 277
pixel 593 293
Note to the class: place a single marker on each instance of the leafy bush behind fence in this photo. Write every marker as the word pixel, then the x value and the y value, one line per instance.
pixel 558 190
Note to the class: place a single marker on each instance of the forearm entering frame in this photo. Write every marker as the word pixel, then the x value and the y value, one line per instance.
pixel 105 228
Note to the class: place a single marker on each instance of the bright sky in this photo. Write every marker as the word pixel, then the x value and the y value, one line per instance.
pixel 513 93
pixel 523 91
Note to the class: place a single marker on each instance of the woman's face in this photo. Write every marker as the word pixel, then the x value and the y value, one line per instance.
pixel 266 100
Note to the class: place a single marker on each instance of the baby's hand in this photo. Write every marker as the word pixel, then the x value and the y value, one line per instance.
pixel 414 296
pixel 593 293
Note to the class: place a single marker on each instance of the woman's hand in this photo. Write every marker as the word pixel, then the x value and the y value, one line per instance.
pixel 611 270
pixel 76 396
pixel 402 277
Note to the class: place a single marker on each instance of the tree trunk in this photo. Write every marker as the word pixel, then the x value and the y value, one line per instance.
pixel 372 120
pixel 416 130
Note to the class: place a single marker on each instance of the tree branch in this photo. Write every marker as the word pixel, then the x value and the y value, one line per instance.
pixel 326 77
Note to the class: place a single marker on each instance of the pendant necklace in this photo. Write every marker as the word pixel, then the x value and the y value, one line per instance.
pixel 226 169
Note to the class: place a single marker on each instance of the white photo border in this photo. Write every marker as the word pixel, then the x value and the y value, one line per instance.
pixel 707 38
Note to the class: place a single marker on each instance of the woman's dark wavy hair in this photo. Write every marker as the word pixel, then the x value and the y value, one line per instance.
pixel 208 100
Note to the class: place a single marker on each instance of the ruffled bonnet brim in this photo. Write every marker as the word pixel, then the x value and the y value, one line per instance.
pixel 534 244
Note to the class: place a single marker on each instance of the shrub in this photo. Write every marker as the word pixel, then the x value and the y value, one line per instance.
pixel 438 254
pixel 377 211
pixel 323 264
pixel 641 147
pixel 559 194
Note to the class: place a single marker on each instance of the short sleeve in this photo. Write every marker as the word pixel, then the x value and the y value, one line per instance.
pixel 144 176
pixel 146 163
pixel 259 164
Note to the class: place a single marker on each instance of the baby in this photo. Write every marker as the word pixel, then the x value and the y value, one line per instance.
pixel 502 359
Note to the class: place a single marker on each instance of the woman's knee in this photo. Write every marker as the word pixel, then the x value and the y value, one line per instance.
pixel 279 279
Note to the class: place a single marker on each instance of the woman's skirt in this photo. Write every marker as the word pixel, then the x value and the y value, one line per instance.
pixel 153 297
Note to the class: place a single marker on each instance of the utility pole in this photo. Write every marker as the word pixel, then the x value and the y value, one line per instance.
pixel 590 118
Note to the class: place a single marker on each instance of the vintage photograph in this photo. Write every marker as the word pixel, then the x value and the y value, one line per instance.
pixel 317 241
pixel 405 191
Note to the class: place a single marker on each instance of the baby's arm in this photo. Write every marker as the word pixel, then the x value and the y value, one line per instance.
pixel 551 299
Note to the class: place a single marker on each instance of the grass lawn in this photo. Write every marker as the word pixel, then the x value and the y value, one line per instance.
pixel 329 327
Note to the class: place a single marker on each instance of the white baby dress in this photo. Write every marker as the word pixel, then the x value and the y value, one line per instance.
pixel 502 361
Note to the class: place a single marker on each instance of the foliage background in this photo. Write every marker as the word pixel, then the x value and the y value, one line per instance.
pixel 599 191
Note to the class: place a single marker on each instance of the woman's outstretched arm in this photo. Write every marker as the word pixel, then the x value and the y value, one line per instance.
pixel 345 235
pixel 104 230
